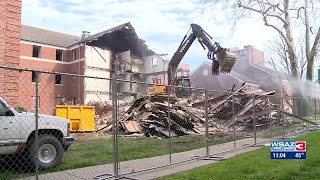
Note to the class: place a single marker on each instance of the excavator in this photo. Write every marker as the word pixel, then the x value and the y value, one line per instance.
pixel 222 62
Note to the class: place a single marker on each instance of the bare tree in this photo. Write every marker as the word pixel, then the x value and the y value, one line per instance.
pixel 283 16
pixel 296 50
pixel 279 60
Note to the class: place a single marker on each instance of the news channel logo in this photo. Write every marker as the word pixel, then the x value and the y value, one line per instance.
pixel 288 150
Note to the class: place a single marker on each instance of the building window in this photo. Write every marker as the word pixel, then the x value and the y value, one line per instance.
pixel 36 51
pixel 33 76
pixel 59 55
pixel 154 61
pixel 58 79
pixel 74 54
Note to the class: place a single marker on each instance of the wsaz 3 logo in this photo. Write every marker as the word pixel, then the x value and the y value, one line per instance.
pixel 301 146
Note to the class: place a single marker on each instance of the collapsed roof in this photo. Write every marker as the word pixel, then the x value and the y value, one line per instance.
pixel 120 38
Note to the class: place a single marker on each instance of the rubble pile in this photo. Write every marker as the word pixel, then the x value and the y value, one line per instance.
pixel 103 114
pixel 222 110
pixel 151 116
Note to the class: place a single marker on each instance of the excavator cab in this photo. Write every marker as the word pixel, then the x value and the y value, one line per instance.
pixel 182 86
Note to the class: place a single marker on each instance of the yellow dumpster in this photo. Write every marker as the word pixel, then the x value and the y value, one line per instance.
pixel 81 117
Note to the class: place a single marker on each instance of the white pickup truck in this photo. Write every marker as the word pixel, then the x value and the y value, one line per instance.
pixel 17 137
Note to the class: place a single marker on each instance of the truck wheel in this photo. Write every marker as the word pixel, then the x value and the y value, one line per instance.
pixel 50 152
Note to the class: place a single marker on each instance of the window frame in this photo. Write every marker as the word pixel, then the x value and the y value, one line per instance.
pixel 154 62
pixel 56 79
pixel 5 107
pixel 39 51
pixel 62 52
pixel 74 54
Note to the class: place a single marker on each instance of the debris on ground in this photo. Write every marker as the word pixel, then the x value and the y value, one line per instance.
pixel 151 115
pixel 103 115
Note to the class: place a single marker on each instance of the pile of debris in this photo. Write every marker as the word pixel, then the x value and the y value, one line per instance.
pixel 151 116
pixel 103 114
pixel 241 107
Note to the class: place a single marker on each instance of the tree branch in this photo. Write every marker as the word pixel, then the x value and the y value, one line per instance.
pixel 299 9
pixel 277 29
pixel 315 47
pixel 265 12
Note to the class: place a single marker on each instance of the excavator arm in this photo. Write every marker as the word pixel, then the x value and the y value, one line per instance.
pixel 222 60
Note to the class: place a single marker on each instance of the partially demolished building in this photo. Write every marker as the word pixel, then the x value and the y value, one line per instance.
pixel 89 55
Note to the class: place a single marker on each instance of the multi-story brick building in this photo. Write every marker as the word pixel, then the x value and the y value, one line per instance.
pixel 90 55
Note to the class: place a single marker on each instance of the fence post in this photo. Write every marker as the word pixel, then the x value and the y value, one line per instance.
pixel 234 124
pixel 114 124
pixel 315 110
pixel 283 117
pixel 169 126
pixel 270 119
pixel 254 120
pixel 37 124
pixel 206 121
pixel 294 112
pixel 301 110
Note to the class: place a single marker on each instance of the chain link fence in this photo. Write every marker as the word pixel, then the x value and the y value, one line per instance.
pixel 67 126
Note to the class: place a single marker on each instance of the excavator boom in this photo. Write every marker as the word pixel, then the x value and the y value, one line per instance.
pixel 222 60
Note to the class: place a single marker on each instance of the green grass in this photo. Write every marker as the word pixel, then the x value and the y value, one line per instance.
pixel 99 151
pixel 257 165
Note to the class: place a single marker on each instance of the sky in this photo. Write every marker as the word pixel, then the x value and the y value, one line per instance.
pixel 162 24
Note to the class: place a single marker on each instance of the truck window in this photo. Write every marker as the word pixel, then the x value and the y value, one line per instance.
pixel 3 110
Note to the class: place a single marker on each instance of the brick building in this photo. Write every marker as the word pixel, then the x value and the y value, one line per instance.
pixel 91 55
pixel 10 24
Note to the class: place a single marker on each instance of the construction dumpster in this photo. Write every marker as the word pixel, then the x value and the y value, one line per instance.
pixel 81 117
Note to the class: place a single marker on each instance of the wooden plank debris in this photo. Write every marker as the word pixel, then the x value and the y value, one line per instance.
pixel 163 116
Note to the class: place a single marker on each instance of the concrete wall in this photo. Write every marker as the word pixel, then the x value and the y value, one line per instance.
pixel 95 65
pixel 158 67
pixel 159 64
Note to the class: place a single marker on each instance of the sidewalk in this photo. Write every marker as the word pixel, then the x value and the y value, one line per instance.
pixel 136 168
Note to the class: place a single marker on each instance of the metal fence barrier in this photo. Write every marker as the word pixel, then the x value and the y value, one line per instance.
pixel 66 126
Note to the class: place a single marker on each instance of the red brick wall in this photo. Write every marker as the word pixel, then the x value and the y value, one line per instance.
pixel 67 56
pixel 26 50
pixel 48 53
pixel 10 30
pixel 257 56
pixel 48 91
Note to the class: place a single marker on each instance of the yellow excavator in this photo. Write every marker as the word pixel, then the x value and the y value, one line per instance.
pixel 222 62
